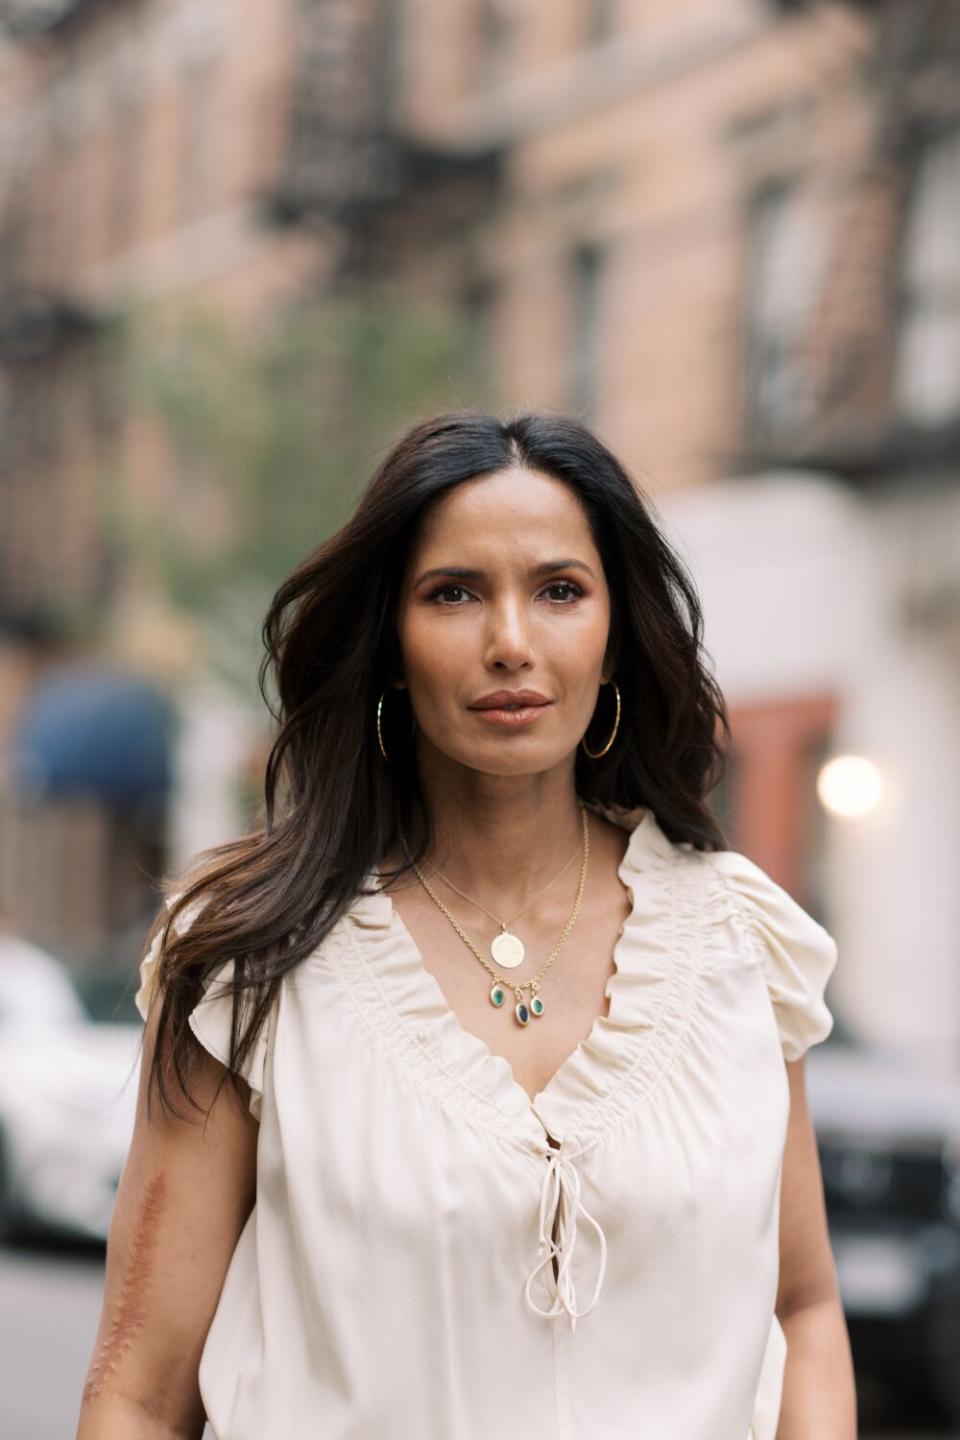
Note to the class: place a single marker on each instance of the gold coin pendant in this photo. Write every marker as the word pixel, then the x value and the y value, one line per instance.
pixel 507 950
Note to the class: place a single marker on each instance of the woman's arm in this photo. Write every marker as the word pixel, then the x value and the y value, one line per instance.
pixel 184 1197
pixel 819 1393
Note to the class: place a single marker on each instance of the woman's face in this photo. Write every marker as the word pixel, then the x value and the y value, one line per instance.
pixel 504 591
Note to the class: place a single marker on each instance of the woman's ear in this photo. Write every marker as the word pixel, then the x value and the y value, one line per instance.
pixel 611 655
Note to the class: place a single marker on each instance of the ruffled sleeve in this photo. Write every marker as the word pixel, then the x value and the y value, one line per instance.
pixel 211 1017
pixel 797 954
pixel 149 973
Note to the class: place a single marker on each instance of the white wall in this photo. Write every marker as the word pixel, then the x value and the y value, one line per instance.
pixel 807 587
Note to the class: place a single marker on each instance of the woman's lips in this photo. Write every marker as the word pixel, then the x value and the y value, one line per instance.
pixel 513 719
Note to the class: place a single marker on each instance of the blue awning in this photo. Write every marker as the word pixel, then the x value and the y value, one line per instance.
pixel 93 730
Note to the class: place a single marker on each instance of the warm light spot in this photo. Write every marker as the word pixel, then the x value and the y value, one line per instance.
pixel 849 786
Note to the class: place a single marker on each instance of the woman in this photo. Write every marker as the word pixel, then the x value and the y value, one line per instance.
pixel 514 1045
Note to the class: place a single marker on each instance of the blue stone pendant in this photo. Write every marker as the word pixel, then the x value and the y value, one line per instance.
pixel 522 1012
pixel 497 995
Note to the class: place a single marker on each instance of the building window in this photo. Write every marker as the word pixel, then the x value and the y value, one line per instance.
pixel 196 136
pixel 775 815
pixel 601 20
pixel 586 280
pixel 784 253
pixel 479 302
pixel 928 356
pixel 124 202
pixel 495 32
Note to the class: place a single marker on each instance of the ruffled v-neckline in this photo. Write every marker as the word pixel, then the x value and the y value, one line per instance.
pixel 641 995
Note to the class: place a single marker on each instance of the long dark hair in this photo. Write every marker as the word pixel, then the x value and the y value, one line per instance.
pixel 333 806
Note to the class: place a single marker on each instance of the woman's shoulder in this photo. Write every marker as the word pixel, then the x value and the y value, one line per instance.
pixel 725 894
pixel 646 842
pixel 797 954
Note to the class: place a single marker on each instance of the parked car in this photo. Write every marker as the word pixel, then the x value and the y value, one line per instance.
pixel 68 1089
pixel 889 1140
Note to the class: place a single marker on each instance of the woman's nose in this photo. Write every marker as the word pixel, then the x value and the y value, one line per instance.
pixel 507 639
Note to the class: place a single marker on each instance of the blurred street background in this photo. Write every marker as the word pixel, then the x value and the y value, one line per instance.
pixel 243 245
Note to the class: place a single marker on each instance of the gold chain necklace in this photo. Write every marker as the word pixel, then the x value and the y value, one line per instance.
pixel 498 989
pixel 506 948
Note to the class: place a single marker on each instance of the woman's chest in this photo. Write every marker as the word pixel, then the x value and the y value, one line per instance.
pixel 570 976
pixel 394 1115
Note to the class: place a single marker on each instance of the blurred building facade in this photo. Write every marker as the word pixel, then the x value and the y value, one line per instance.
pixel 724 232
pixel 140 141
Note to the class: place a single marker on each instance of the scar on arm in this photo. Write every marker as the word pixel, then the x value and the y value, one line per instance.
pixel 130 1307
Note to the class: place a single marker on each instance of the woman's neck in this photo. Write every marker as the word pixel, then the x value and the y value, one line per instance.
pixel 502 838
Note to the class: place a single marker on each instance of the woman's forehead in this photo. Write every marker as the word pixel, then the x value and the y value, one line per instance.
pixel 492 506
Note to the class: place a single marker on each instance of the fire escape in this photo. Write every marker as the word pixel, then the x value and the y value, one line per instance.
pixel 46 335
pixel 846 355
pixel 21 19
pixel 353 169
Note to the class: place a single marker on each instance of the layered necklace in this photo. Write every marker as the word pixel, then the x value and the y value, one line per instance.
pixel 506 948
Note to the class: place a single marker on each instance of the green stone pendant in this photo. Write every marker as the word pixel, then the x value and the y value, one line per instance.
pixel 497 995
pixel 536 1005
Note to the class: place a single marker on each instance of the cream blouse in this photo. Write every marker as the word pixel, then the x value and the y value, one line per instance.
pixel 395 1278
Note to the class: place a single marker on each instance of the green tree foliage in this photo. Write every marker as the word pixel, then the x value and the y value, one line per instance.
pixel 267 437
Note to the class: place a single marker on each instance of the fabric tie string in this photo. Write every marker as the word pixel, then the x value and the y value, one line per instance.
pixel 560 1201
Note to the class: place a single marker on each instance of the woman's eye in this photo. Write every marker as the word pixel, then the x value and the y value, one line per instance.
pixel 445 590
pixel 576 592
pixel 441 595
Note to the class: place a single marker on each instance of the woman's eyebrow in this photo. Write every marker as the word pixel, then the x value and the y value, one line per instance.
pixel 547 567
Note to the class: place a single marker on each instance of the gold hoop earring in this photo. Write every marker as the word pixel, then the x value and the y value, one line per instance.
pixel 595 755
pixel 383 751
